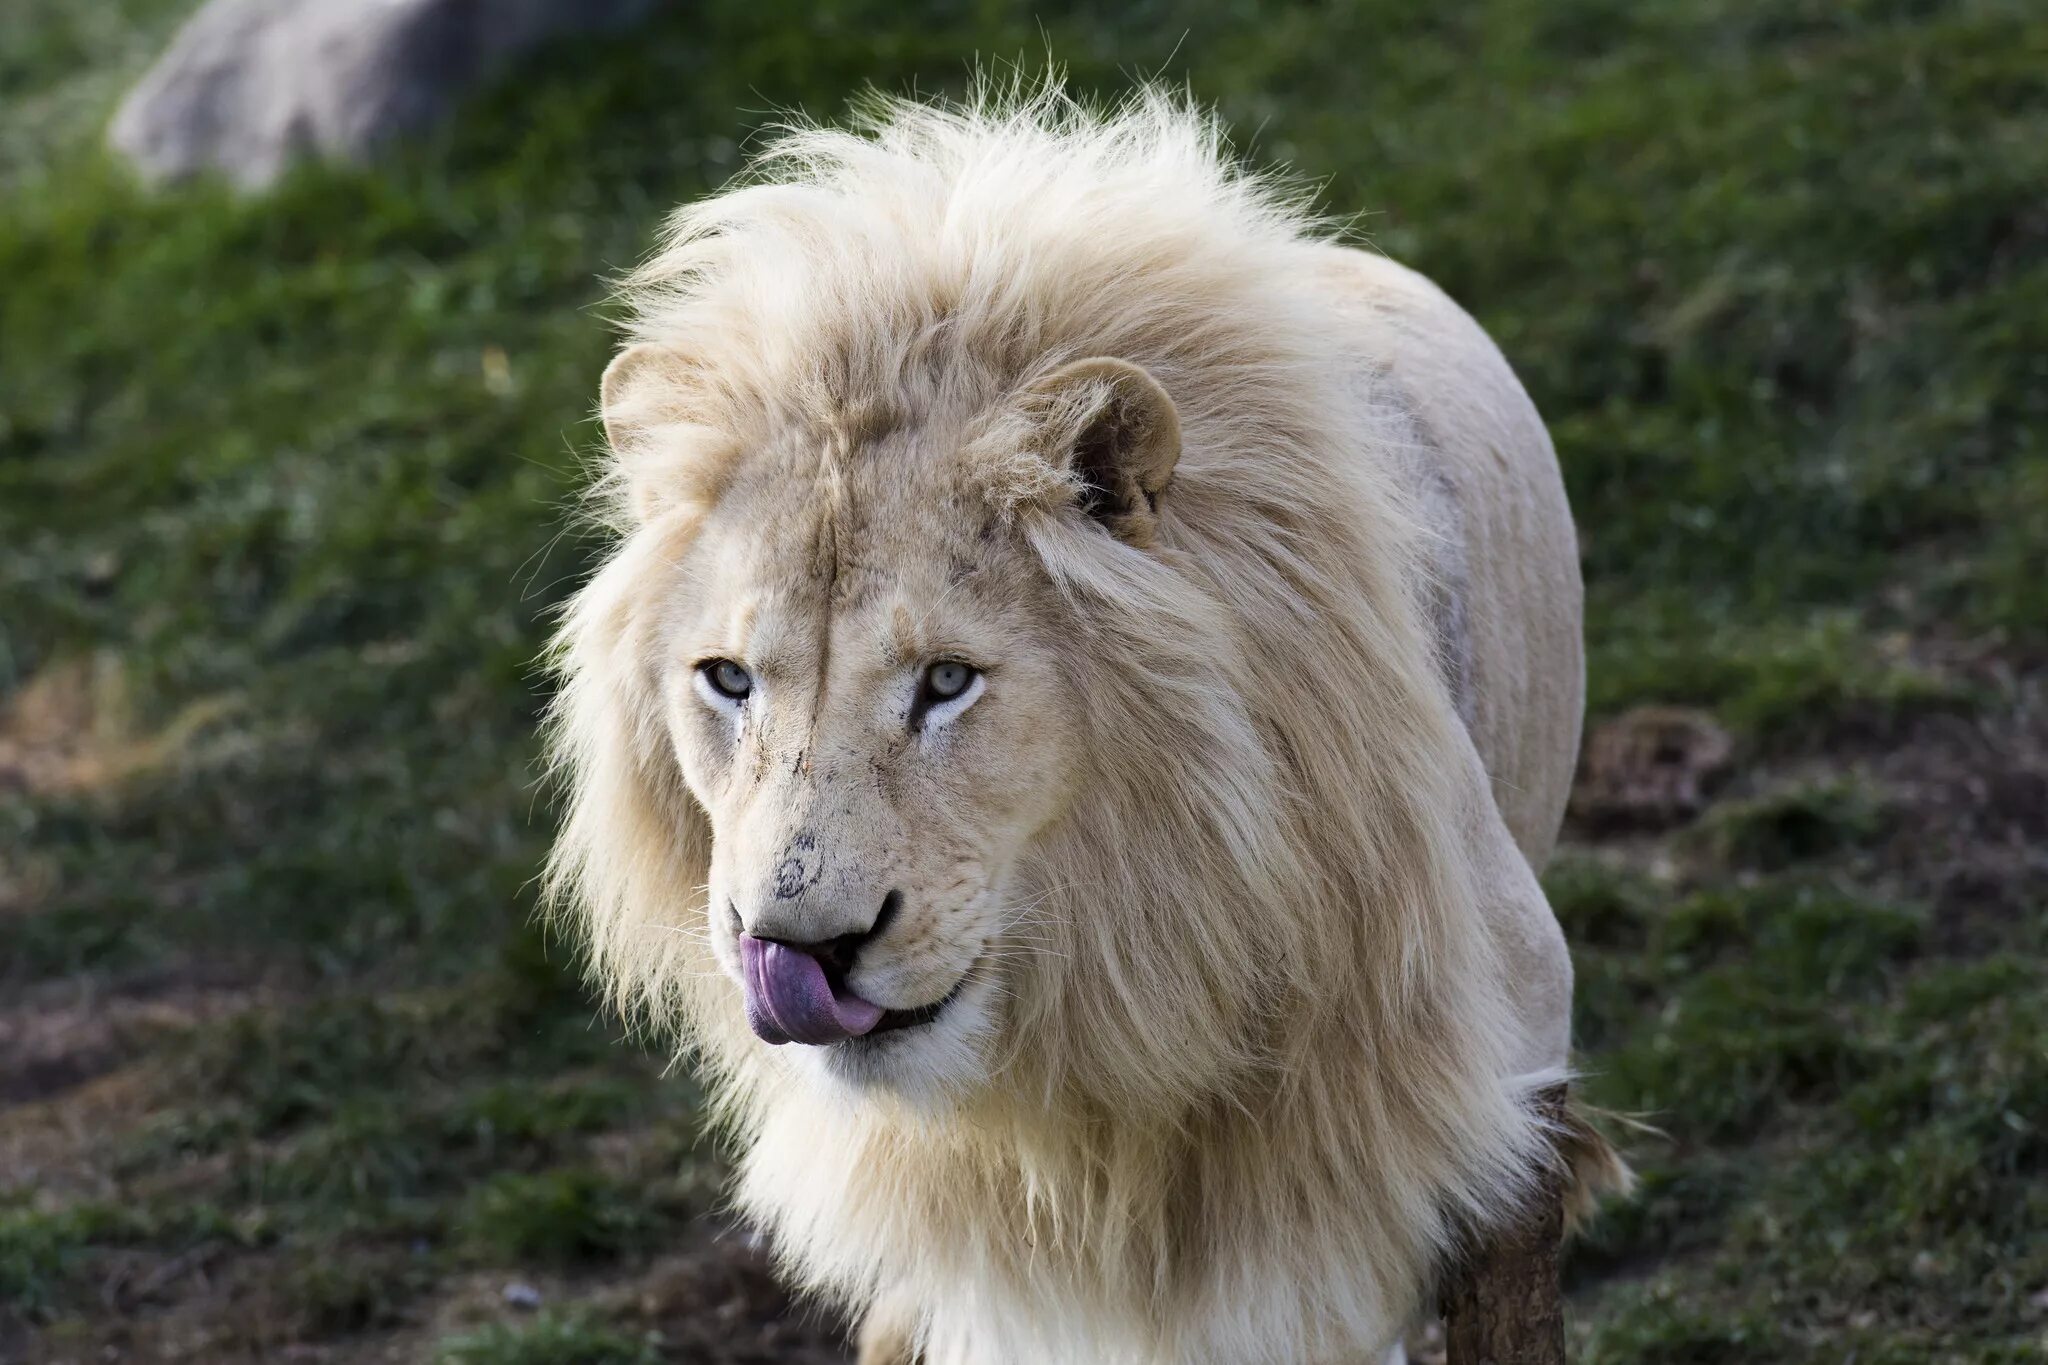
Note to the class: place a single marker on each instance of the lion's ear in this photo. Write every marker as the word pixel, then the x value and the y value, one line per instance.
pixel 1118 436
pixel 658 423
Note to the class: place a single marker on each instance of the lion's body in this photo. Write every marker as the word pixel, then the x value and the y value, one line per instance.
pixel 1272 975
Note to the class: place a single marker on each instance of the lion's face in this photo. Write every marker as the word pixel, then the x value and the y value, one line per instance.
pixel 871 721
pixel 859 667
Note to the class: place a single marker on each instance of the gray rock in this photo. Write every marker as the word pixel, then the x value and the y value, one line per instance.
pixel 248 86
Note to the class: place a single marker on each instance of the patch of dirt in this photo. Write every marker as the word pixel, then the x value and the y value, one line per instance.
pixel 1649 768
pixel 1964 796
pixel 72 730
pixel 1974 796
pixel 59 1035
pixel 211 1303
pixel 720 1302
pixel 716 1302
pixel 26 881
pixel 77 1068
pixel 54 1148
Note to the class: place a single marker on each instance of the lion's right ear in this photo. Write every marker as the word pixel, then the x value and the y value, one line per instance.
pixel 667 447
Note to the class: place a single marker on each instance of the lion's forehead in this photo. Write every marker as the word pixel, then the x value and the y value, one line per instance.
pixel 879 527
pixel 846 578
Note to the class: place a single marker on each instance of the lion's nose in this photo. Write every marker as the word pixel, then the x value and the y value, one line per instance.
pixel 834 952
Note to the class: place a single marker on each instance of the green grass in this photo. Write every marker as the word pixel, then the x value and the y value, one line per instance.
pixel 558 1215
pixel 551 1339
pixel 286 477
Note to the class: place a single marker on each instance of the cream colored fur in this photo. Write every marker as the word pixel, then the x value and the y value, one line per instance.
pixel 1232 860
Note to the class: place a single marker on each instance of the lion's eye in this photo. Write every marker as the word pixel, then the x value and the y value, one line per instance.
pixel 727 678
pixel 947 688
pixel 945 681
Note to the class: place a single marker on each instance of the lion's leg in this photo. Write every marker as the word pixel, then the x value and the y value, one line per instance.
pixel 888 1334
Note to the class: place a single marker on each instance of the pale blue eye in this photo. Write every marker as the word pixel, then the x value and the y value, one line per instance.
pixel 947 680
pixel 728 679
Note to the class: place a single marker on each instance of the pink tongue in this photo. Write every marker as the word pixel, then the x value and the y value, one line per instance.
pixel 790 1001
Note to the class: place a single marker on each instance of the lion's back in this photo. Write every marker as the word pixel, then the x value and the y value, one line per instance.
pixel 1509 595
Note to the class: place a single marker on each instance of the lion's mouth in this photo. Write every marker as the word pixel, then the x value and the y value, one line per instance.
pixel 792 996
pixel 893 1020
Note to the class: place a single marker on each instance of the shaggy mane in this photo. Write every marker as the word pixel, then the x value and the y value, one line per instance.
pixel 1263 1142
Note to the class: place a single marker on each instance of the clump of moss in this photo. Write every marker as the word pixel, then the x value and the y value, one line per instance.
pixel 1794 825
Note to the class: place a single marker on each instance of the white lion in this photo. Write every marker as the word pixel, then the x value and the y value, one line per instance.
pixel 1088 670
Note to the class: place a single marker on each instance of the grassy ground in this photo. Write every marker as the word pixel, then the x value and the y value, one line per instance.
pixel 286 1073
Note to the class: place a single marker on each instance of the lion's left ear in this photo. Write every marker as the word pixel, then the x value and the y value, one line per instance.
pixel 1110 426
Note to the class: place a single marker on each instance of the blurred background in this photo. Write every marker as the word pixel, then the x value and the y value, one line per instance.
pixel 287 1070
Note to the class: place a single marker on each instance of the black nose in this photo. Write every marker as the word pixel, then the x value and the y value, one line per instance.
pixel 837 954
